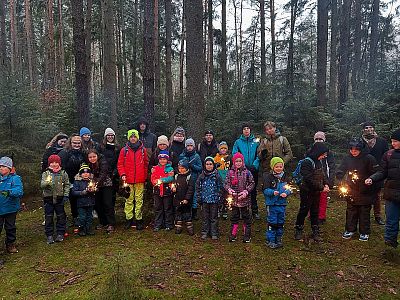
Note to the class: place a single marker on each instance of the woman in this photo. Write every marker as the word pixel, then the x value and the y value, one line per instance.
pixel 56 144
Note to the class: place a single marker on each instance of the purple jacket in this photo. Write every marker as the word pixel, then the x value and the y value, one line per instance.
pixel 240 180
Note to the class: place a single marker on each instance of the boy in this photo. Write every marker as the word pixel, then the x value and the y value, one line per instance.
pixel 11 192
pixel 55 185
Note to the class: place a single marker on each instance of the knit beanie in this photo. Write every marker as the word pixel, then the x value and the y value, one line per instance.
pixel 163 154
pixel 61 136
pixel 184 163
pixel 179 130
pixel 209 132
pixel 246 125
pixel 275 160
pixel 238 155
pixel 133 132
pixel 162 140
pixel 356 143
pixel 396 135
pixel 84 130
pixel 368 123
pixel 6 162
pixel 84 169
pixel 223 144
pixel 54 158
pixel 320 135
pixel 109 131
pixel 190 141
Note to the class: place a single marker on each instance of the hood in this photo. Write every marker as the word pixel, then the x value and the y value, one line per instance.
pixel 251 136
pixel 142 120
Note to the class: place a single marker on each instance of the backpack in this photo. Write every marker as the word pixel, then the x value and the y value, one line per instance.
pixel 297 177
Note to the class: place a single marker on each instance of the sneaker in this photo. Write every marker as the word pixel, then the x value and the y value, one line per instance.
pixel 214 237
pixel 50 240
pixel 347 235
pixel 246 239
pixel 76 230
pixel 272 245
pixel 364 237
pixel 156 229
pixel 12 249
pixel 59 238
pixel 379 221
pixel 203 237
pixel 232 238
pixel 128 224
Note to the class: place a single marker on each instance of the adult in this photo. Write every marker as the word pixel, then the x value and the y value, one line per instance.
pixel 162 144
pixel 56 144
pixel 376 146
pixel 104 197
pixel 247 145
pixel 72 156
pixel 328 167
pixel 177 145
pixel 87 141
pixel 273 145
pixel 148 138
pixel 208 147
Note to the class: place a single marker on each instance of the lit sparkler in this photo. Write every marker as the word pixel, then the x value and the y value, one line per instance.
pixel 159 182
pixel 125 184
pixel 354 176
pixel 48 178
pixel 257 140
pixel 92 186
pixel 229 201
pixel 289 188
pixel 343 191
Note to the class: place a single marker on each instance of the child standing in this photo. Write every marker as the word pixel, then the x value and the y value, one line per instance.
pixel 184 189
pixel 161 175
pixel 208 190
pixel 239 184
pixel 11 192
pixel 276 192
pixel 357 167
pixel 84 189
pixel 223 161
pixel 55 185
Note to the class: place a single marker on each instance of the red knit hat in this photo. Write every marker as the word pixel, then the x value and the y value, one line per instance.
pixel 54 158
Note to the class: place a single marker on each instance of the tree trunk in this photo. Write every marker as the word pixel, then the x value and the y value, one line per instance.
pixel 333 70
pixel 210 59
pixel 157 68
pixel 134 47
pixel 29 43
pixel 322 44
pixel 344 52
pixel 88 37
pixel 273 43
pixel 357 48
pixel 148 61
pixel 51 53
pixel 81 75
pixel 195 67
pixel 290 61
pixel 182 55
pixel 224 71
pixel 61 61
pixel 263 59
pixel 14 38
pixel 109 66
pixel 373 46
pixel 3 41
pixel 168 64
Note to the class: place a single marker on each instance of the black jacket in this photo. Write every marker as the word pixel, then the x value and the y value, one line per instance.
pixel 84 198
pixel 184 189
pixel 175 151
pixel 55 149
pixel 71 161
pixel 148 139
pixel 380 147
pixel 204 149
pixel 101 173
pixel 313 175
pixel 111 154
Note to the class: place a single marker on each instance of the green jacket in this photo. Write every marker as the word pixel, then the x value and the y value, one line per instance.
pixel 276 145
pixel 55 184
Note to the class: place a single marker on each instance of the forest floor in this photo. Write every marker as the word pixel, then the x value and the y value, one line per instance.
pixel 147 265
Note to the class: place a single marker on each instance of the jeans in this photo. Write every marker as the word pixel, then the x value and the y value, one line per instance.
pixel 163 214
pixel 85 217
pixel 392 210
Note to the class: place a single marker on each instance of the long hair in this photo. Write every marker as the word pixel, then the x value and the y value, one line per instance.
pixel 54 139
pixel 68 145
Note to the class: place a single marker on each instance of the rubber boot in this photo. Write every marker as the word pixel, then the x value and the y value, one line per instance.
pixel 189 227
pixel 246 233
pixel 234 230
pixel 178 227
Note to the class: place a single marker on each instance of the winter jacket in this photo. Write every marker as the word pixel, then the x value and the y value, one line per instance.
pixel 248 147
pixel 378 149
pixel 111 154
pixel 154 158
pixel 204 149
pixel 71 161
pixel 209 188
pixel 240 180
pixel 329 168
pixel 54 185
pixel 175 150
pixel 224 162
pixel 101 172
pixel 195 164
pixel 272 183
pixel 362 167
pixel 162 173
pixel 184 189
pixel 133 164
pixel 11 192
pixel 86 146
pixel 55 149
pixel 84 198
pixel 148 139
pixel 390 170
pixel 272 146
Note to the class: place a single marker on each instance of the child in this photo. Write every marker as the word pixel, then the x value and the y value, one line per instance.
pixel 239 184
pixel 390 170
pixel 195 166
pixel 162 144
pixel 357 167
pixel 84 189
pixel 184 189
pixel 223 161
pixel 11 192
pixel 276 193
pixel 55 185
pixel 161 176
pixel 313 183
pixel 132 167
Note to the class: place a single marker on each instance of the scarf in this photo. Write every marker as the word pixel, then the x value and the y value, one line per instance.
pixel 134 146
pixel 370 139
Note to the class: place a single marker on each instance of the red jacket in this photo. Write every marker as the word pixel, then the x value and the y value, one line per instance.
pixel 133 164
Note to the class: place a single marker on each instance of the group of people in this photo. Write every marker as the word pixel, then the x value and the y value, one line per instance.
pixel 185 176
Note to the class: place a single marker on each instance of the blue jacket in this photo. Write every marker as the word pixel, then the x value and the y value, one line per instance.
pixel 248 147
pixel 270 185
pixel 84 198
pixel 209 188
pixel 195 163
pixel 11 192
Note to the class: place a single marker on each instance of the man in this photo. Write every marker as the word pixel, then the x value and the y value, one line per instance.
pixel 273 145
pixel 148 138
pixel 247 145
pixel 376 146
pixel 208 147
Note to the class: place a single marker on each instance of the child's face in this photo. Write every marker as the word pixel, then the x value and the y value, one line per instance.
pixel 238 163
pixel 395 144
pixel 355 152
pixel 246 131
pixel 54 165
pixel 133 139
pixel 278 168
pixel 209 166
pixel 189 148
pixel 181 170
pixel 162 146
pixel 110 138
pixel 4 171
pixel 85 175
pixel 86 137
pixel 163 161
pixel 223 151
pixel 92 157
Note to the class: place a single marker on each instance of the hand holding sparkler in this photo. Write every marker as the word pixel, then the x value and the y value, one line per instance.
pixel 229 201
pixel 173 187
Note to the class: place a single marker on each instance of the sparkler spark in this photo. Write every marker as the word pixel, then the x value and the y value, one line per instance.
pixel 229 200
pixel 343 191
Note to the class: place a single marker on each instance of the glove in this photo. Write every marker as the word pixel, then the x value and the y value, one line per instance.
pixel 5 193
pixel 65 199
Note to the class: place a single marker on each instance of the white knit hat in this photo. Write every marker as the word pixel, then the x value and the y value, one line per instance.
pixel 162 140
pixel 6 162
pixel 109 131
